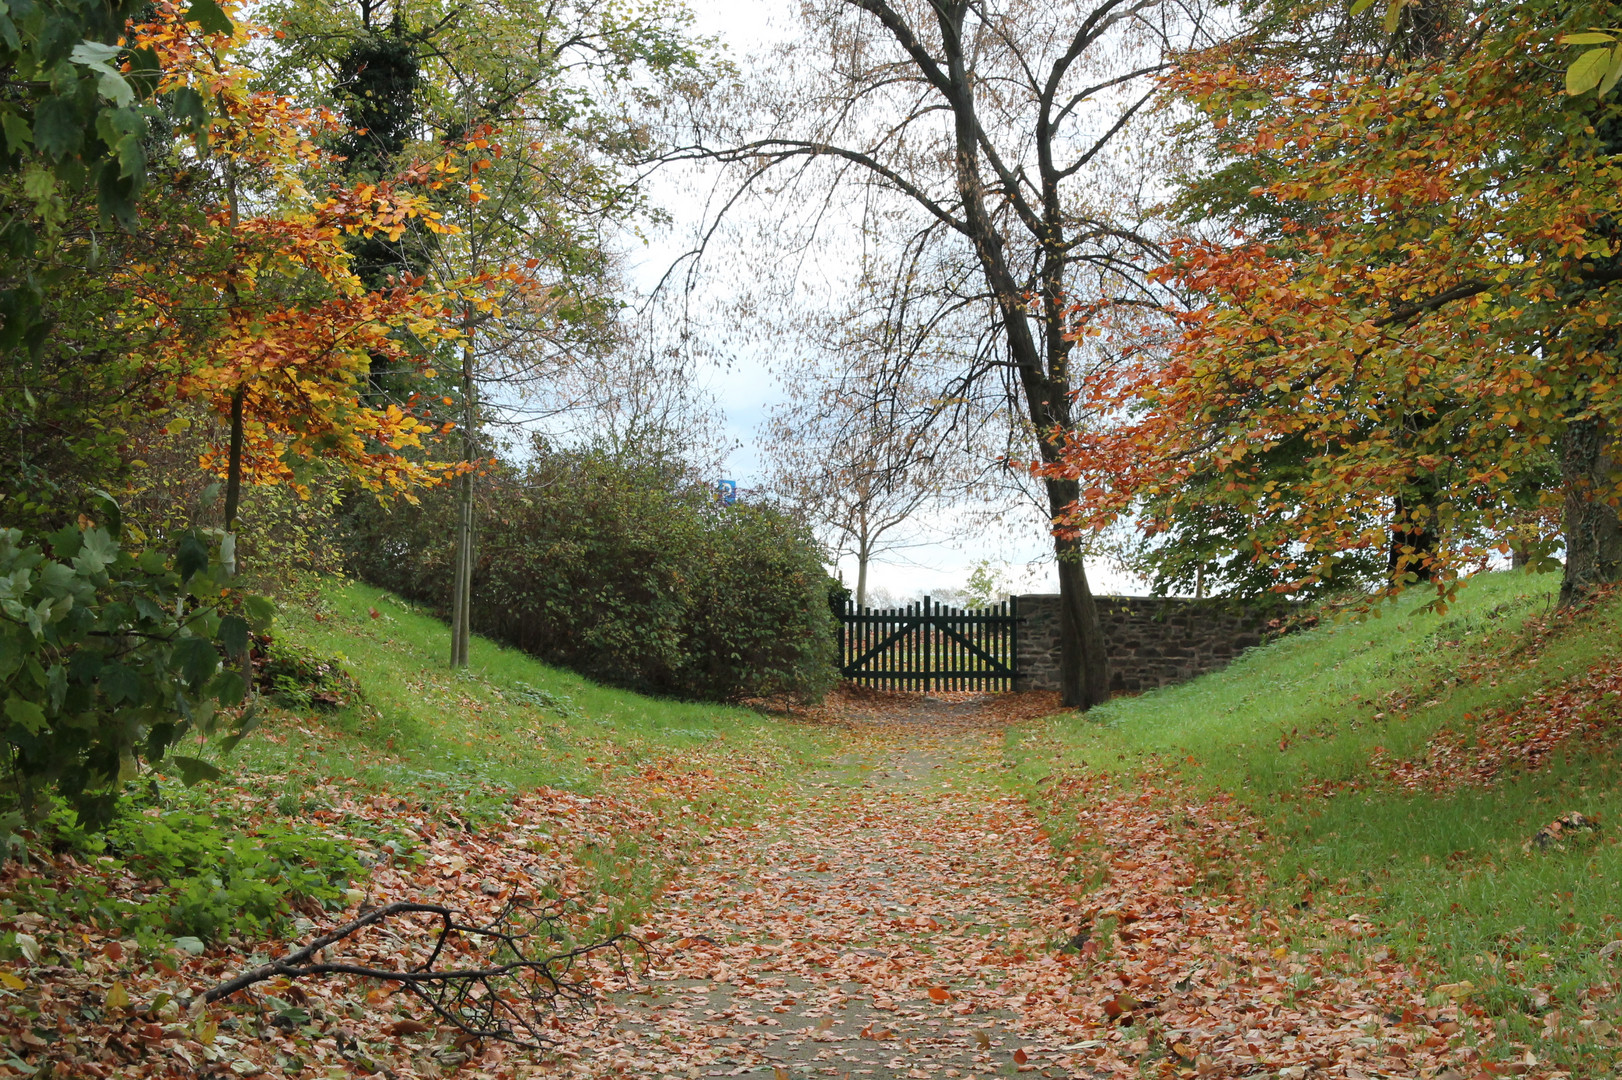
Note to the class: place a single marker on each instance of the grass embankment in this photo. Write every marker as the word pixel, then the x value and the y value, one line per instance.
pixel 506 722
pixel 509 781
pixel 314 797
pixel 1400 765
pixel 465 742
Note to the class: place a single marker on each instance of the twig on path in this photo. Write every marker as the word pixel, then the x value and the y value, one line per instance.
pixel 508 993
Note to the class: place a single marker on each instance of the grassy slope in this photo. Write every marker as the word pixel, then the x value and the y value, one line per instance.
pixel 461 744
pixel 1444 874
pixel 487 729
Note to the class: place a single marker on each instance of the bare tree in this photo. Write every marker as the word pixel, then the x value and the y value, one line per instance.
pixel 867 442
pixel 1003 125
pixel 854 469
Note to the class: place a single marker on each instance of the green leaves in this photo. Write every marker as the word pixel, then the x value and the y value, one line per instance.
pixel 1596 68
pixel 107 659
pixel 1393 15
pixel 58 131
pixel 1393 12
pixel 233 635
pixel 194 771
pixel 110 83
pixel 208 15
pixel 191 558
pixel 18 135
pixel 27 714
pixel 96 553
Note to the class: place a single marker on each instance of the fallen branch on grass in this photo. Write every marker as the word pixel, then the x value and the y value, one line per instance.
pixel 509 993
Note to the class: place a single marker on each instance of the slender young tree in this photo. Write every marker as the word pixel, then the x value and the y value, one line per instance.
pixel 252 294
pixel 856 470
pixel 542 108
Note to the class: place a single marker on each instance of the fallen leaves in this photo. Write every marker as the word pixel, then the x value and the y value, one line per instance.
pixel 902 913
pixel 1583 709
pixel 94 1004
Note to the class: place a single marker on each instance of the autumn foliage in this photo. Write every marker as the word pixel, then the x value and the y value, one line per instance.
pixel 259 312
pixel 1412 338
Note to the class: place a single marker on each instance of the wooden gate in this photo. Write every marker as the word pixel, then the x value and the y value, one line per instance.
pixel 929 646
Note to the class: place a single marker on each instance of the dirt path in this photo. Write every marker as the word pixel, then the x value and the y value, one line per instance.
pixel 878 924
pixel 901 915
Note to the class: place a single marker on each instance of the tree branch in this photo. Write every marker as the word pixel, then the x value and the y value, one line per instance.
pixel 501 998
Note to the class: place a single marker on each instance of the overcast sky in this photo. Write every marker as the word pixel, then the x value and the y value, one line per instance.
pixel 746 388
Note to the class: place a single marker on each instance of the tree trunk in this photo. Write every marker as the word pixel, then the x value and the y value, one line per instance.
pixel 1593 532
pixel 1083 657
pixel 233 461
pixel 861 578
pixel 462 570
pixel 461 579
pixel 1043 368
pixel 1413 545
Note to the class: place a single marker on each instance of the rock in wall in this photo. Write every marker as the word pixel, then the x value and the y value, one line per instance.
pixel 1153 641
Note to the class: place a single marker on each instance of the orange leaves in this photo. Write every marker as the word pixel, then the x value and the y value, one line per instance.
pixel 257 302
pixel 407 1027
pixel 1368 337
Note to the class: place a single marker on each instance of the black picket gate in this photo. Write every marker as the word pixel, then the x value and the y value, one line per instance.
pixel 930 646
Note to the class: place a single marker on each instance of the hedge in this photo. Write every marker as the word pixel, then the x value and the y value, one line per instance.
pixel 626 570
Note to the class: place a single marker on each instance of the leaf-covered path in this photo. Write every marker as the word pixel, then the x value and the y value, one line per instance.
pixel 877 925
pixel 904 915
pixel 897 912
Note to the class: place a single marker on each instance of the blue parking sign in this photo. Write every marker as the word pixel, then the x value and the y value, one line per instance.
pixel 728 491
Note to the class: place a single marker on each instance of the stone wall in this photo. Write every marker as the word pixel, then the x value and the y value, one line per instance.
pixel 1153 641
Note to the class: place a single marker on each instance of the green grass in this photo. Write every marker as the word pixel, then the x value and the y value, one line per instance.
pixel 460 745
pixel 1289 730
pixel 505 723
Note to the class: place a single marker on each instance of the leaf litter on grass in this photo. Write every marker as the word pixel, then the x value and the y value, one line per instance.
pixel 899 914
pixel 84 1000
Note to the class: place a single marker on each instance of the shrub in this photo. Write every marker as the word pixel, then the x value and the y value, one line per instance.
pixel 301 678
pixel 626 570
pixel 218 881
pixel 108 657
pixel 201 876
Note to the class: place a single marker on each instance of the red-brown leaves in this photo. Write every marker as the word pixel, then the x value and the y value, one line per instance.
pixel 1526 737
pixel 1378 352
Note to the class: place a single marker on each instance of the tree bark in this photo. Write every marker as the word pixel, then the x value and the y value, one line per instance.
pixel 1043 374
pixel 462 570
pixel 1084 672
pixel 1593 532
pixel 233 461
pixel 861 578
pixel 1413 546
